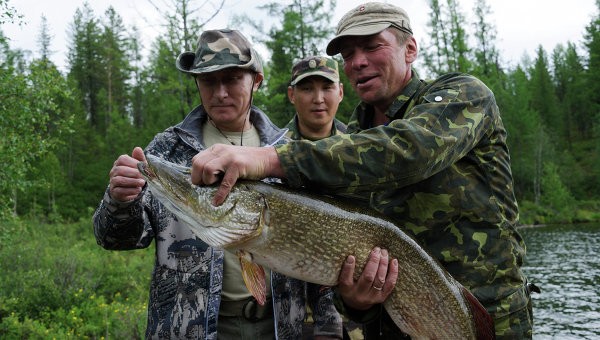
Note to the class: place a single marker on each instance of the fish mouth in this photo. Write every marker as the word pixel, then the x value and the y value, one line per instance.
pixel 146 170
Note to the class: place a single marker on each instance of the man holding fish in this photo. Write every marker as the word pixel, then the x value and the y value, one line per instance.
pixel 431 155
pixel 197 290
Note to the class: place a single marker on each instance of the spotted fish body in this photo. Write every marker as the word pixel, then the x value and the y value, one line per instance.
pixel 308 237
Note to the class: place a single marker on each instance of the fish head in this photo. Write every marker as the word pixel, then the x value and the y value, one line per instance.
pixel 239 219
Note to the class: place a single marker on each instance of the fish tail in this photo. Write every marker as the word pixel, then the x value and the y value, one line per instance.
pixel 484 324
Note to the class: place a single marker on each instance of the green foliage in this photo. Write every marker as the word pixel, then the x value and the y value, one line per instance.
pixel 62 133
pixel 63 285
pixel 32 122
pixel 555 195
pixel 9 13
pixel 303 30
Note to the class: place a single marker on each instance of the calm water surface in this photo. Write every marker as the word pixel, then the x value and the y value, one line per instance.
pixel 564 262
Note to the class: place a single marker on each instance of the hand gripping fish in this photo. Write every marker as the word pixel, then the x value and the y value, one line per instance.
pixel 308 237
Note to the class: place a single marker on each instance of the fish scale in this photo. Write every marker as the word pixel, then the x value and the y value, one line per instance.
pixel 308 237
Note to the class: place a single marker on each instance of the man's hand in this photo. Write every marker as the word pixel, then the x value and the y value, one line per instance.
pixel 374 285
pixel 228 163
pixel 126 181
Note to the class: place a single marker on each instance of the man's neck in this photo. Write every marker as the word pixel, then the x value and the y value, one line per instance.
pixel 312 134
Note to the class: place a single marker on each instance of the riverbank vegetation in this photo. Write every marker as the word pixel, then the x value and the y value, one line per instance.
pixel 56 283
pixel 61 131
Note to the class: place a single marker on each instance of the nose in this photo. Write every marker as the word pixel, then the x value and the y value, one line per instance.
pixel 358 59
pixel 221 89
pixel 318 96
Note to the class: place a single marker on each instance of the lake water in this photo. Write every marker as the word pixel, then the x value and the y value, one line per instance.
pixel 564 262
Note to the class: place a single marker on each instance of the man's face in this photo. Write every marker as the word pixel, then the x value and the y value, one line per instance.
pixel 226 95
pixel 316 100
pixel 377 66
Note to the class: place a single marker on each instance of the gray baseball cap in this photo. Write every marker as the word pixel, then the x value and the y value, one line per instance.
pixel 217 50
pixel 368 19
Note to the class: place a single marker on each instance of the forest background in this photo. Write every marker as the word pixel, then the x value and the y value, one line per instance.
pixel 62 130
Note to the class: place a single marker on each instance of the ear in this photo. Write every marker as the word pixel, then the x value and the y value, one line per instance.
pixel 341 91
pixel 258 79
pixel 411 50
pixel 291 94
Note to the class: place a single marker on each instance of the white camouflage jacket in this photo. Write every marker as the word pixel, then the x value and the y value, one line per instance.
pixel 185 291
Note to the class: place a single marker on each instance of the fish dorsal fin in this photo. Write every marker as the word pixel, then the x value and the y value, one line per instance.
pixel 484 324
pixel 254 277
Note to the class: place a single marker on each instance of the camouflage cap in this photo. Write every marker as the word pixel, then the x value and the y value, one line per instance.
pixel 315 66
pixel 367 19
pixel 217 50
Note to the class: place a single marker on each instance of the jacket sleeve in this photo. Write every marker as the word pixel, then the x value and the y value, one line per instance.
pixel 443 125
pixel 123 225
pixel 327 320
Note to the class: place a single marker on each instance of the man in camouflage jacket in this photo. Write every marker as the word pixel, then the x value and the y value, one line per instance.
pixel 431 155
pixel 316 92
pixel 187 280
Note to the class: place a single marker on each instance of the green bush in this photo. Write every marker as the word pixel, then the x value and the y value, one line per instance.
pixel 63 285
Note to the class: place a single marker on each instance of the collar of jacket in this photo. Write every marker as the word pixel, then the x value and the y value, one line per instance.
pixel 189 130
pixel 364 111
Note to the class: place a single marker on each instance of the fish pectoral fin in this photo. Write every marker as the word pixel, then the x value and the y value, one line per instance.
pixel 254 277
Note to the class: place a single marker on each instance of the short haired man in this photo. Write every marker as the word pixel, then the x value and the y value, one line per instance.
pixel 316 92
pixel 431 155
pixel 197 291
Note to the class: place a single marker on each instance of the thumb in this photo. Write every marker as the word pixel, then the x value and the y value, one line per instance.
pixel 138 154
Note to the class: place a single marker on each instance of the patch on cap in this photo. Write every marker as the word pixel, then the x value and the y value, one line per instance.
pixel 315 66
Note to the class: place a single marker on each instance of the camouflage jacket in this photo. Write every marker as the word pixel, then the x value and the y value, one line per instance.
pixel 441 170
pixel 185 290
pixel 338 128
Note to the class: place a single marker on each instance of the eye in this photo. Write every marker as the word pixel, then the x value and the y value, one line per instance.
pixel 205 80
pixel 232 80
pixel 371 47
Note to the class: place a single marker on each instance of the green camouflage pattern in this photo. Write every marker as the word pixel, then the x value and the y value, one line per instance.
pixel 315 66
pixel 441 170
pixel 217 50
pixel 293 132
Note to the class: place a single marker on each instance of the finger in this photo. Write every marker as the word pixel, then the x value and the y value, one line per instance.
pixel 229 180
pixel 379 280
pixel 200 172
pixel 346 277
pixel 126 182
pixel 197 169
pixel 126 172
pixel 124 194
pixel 127 160
pixel 392 277
pixel 138 154
pixel 370 269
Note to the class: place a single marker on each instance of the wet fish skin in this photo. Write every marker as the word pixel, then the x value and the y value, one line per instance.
pixel 308 237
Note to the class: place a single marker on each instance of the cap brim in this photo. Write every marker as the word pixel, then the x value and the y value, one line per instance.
pixel 185 62
pixel 333 47
pixel 318 74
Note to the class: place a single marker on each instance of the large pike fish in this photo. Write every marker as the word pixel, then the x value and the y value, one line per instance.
pixel 308 237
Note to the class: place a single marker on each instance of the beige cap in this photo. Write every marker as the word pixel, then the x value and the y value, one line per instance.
pixel 368 19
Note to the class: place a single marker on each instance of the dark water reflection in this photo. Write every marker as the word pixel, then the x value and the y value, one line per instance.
pixel 563 262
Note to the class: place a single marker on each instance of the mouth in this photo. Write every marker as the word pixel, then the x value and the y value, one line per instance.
pixel 319 111
pixel 363 81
